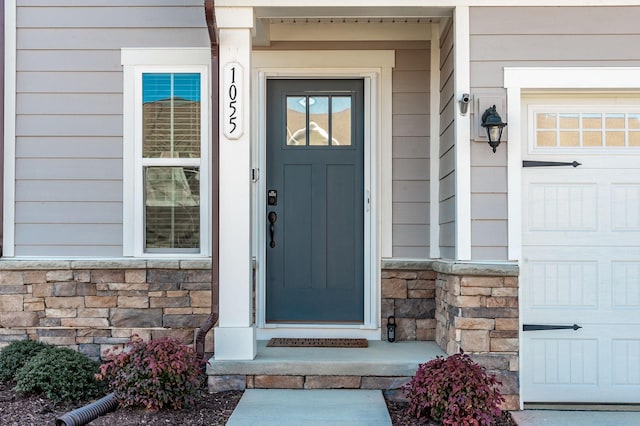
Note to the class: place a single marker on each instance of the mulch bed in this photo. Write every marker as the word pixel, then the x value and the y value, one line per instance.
pixel 211 410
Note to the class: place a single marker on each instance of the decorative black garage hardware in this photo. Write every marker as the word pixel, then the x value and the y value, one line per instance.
pixel 539 327
pixel 549 164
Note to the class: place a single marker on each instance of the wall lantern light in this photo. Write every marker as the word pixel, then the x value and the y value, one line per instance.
pixel 492 122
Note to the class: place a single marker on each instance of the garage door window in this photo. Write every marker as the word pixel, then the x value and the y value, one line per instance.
pixel 585 128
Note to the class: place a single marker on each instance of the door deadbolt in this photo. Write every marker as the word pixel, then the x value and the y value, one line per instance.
pixel 272 197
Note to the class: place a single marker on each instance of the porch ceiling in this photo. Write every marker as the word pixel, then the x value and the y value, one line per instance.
pixel 353 12
pixel 347 23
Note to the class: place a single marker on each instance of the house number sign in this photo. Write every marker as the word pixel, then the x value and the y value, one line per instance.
pixel 232 80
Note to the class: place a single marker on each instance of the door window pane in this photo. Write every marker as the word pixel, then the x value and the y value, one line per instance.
pixel 341 133
pixel 171 115
pixel 296 120
pixel 592 121
pixel 545 121
pixel 569 138
pixel 569 121
pixel 545 139
pixel 592 139
pixel 172 208
pixel 318 120
pixel 615 138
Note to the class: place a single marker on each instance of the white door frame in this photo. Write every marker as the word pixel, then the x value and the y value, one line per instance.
pixel 374 67
pixel 519 79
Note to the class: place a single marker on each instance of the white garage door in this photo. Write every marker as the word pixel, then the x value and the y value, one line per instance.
pixel 581 255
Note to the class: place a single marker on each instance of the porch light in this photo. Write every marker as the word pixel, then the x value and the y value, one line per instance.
pixel 492 122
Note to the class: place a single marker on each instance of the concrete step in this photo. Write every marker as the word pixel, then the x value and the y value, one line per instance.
pixel 382 365
pixel 310 407
pixel 380 359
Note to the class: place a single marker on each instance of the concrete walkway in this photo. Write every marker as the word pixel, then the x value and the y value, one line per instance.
pixel 261 407
pixel 576 418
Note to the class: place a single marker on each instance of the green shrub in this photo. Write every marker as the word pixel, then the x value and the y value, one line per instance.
pixel 15 355
pixel 156 374
pixel 61 374
pixel 454 390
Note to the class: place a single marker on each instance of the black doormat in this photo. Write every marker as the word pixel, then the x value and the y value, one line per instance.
pixel 318 343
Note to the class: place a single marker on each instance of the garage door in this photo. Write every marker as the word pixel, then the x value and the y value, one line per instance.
pixel 581 254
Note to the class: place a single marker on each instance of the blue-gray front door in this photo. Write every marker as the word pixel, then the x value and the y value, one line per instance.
pixel 315 201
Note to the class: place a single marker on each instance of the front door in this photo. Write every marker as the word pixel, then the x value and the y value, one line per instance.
pixel 315 201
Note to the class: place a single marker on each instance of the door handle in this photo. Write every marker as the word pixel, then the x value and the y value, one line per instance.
pixel 272 228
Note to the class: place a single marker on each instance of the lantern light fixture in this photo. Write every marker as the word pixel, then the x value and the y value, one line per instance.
pixel 493 124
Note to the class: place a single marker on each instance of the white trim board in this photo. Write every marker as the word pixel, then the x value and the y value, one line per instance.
pixel 375 68
pixel 462 134
pixel 9 189
pixel 434 146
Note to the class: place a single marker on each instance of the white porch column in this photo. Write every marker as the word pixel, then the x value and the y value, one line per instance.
pixel 235 337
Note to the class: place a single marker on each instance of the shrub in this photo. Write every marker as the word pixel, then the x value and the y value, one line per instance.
pixel 15 355
pixel 61 374
pixel 156 374
pixel 454 390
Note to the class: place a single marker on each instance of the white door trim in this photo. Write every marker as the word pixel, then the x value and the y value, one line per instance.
pixel 375 68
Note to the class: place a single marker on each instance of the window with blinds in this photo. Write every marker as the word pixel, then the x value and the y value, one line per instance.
pixel 171 151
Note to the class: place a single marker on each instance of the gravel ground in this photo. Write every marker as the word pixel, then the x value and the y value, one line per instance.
pixel 211 410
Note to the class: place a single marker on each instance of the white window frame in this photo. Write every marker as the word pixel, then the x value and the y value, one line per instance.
pixel 157 60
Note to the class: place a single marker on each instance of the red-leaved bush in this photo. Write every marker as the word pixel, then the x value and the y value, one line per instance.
pixel 454 390
pixel 156 374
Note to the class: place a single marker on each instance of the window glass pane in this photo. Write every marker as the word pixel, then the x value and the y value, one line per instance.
pixel 296 120
pixel 569 121
pixel 633 121
pixel 634 138
pixel 341 120
pixel 318 120
pixel 171 115
pixel 592 139
pixel 615 138
pixel 172 207
pixel 569 138
pixel 614 121
pixel 592 121
pixel 545 139
pixel 545 120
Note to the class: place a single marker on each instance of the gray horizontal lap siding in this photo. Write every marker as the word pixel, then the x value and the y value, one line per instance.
pixel 533 37
pixel 69 115
pixel 410 165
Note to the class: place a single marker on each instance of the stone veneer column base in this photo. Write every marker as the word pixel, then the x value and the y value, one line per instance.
pixel 477 311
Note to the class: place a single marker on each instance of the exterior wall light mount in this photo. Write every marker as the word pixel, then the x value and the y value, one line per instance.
pixel 493 124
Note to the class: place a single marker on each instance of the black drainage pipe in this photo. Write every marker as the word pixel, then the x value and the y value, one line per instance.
pixel 88 413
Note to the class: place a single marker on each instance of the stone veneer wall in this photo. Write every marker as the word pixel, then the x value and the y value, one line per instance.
pixel 477 311
pixel 94 305
pixel 410 297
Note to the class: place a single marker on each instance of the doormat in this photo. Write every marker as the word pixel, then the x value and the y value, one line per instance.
pixel 318 343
